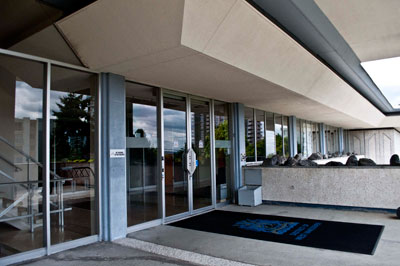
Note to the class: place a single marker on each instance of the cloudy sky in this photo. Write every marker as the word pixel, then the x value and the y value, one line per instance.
pixel 29 101
pixel 386 75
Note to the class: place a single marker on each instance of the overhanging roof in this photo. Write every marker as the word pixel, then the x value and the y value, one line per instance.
pixel 225 50
pixel 306 23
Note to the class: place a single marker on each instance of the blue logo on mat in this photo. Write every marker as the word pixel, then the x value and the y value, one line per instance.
pixel 266 226
pixel 278 227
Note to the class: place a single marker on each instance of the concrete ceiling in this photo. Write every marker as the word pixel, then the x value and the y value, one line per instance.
pixel 370 27
pixel 223 49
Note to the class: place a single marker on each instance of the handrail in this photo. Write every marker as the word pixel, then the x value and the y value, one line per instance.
pixel 27 156
pixel 10 163
pixel 34 181
pixel 6 175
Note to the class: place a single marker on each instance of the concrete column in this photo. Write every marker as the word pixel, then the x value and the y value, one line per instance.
pixel 113 174
pixel 239 146
pixel 292 136
pixel 341 141
pixel 322 143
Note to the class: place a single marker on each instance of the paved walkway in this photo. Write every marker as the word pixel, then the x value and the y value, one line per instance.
pixel 105 253
pixel 168 245
pixel 259 252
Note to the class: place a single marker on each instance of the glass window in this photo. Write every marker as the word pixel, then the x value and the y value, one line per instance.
pixel 278 134
pixel 260 129
pixel 286 143
pixel 72 154
pixel 309 138
pixel 141 146
pixel 270 135
pixel 315 137
pixel 298 136
pixel 222 150
pixel 249 134
pixel 303 126
pixel 21 139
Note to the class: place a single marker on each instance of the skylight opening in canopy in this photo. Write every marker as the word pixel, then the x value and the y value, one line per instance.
pixel 386 75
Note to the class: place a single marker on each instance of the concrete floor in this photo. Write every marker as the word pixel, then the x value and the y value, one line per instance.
pixel 104 253
pixel 269 253
pixel 168 245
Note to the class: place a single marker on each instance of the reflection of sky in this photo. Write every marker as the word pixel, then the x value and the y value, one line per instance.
pixel 28 101
pixel 385 74
pixel 270 141
pixel 278 129
pixel 175 130
pixel 145 117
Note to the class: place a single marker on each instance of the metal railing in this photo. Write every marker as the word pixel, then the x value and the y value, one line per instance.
pixel 32 187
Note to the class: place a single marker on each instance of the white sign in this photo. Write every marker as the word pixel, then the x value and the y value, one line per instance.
pixel 191 161
pixel 117 153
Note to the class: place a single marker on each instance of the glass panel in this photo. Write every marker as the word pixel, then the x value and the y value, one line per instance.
pixel 309 139
pixel 222 150
pixel 304 138
pixel 200 123
pixel 270 135
pixel 141 145
pixel 249 134
pixel 21 107
pixel 260 126
pixel 298 137
pixel 315 137
pixel 336 140
pixel 176 184
pixel 72 154
pixel 286 136
pixel 278 134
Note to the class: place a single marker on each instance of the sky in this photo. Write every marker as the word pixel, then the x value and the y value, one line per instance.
pixel 386 75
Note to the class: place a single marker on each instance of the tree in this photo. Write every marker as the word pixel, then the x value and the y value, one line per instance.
pixel 71 129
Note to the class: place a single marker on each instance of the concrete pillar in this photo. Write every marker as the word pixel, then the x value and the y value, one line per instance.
pixel 239 146
pixel 292 136
pixel 113 169
pixel 322 143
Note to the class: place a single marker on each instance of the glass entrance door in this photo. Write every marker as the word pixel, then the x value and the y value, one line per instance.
pixel 187 126
pixel 201 144
pixel 175 146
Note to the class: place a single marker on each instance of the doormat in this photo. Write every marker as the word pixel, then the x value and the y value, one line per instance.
pixel 348 237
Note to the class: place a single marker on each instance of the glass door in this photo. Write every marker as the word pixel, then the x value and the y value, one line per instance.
pixel 201 144
pixel 175 147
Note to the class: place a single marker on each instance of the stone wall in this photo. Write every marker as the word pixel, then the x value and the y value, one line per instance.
pixel 370 187
pixel 378 145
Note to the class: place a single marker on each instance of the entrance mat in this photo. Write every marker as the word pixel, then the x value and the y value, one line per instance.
pixel 348 237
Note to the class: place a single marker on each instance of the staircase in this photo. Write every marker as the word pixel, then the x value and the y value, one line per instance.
pixel 21 197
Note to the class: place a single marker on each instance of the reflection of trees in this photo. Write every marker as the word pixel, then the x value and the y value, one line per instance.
pixel 222 131
pixel 279 145
pixel 249 149
pixel 286 143
pixel 71 134
pixel 278 139
pixel 261 147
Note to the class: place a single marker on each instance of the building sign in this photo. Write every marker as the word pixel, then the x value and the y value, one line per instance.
pixel 117 153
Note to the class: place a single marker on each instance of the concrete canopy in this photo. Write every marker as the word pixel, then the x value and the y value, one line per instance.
pixel 223 49
pixel 370 27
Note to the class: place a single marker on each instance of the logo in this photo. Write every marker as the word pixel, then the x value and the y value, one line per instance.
pixel 266 226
